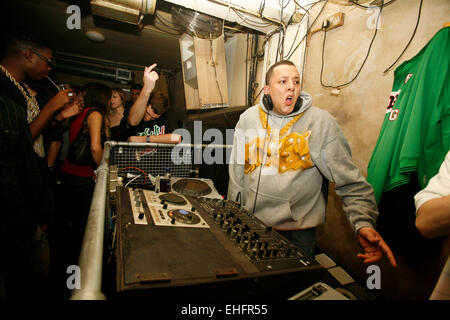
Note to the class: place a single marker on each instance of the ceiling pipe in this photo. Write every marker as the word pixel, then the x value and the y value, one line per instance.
pixel 90 71
pixel 70 57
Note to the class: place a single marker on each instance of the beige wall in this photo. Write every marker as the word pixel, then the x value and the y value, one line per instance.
pixel 360 110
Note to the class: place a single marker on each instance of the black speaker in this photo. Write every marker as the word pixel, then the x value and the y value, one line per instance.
pixel 267 101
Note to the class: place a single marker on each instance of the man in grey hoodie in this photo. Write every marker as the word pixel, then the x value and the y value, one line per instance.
pixel 283 149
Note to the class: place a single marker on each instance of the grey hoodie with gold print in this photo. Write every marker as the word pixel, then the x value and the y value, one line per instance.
pixel 301 149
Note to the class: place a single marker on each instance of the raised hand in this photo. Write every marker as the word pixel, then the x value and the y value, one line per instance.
pixel 150 77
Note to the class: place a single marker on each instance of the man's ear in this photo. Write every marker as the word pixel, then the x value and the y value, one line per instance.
pixel 266 89
pixel 28 55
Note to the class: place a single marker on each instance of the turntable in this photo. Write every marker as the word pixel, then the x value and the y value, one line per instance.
pixel 164 209
pixel 197 187
pixel 172 199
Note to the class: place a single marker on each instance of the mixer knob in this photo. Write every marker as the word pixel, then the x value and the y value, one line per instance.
pixel 172 221
pixel 274 252
pixel 233 233
pixel 260 253
pixel 193 209
pixel 267 253
pixel 238 239
pixel 244 245
pixel 225 225
pixel 165 206
pixel 141 216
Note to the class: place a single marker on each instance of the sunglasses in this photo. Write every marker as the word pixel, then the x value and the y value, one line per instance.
pixel 49 61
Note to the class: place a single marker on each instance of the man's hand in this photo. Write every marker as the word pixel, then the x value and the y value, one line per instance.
pixel 150 77
pixel 70 110
pixel 374 247
pixel 60 99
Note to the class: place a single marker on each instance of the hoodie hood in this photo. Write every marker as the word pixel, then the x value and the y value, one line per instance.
pixel 306 104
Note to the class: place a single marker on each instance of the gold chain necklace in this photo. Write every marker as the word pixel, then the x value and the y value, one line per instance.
pixel 284 130
pixel 32 109
pixel 31 101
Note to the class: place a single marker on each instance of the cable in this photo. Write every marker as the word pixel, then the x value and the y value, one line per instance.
pixel 368 7
pixel 410 40
pixel 259 93
pixel 280 48
pixel 247 79
pixel 215 72
pixel 365 59
pixel 303 62
pixel 301 6
pixel 134 179
pixel 251 22
pixel 307 31
pixel 145 175
pixel 262 163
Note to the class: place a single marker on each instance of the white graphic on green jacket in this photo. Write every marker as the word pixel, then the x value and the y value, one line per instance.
pixel 157 130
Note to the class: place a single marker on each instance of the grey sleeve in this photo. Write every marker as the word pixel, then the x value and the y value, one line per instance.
pixel 336 164
pixel 236 166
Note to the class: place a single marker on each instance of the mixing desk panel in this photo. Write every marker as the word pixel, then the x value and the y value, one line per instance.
pixel 178 240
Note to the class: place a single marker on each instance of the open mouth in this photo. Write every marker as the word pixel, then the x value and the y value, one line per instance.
pixel 289 100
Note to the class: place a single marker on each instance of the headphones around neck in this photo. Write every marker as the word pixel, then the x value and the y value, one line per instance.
pixel 267 101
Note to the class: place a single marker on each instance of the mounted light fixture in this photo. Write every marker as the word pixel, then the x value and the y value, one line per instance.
pixel 129 11
pixel 95 36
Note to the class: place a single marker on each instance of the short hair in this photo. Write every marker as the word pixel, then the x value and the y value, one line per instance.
pixel 136 86
pixel 121 93
pixel 159 101
pixel 18 40
pixel 279 63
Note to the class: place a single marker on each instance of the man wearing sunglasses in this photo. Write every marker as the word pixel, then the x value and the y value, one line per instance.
pixel 27 202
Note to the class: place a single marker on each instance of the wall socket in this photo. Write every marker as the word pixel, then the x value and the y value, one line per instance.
pixel 336 20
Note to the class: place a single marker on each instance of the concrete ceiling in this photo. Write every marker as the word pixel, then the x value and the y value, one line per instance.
pixel 124 43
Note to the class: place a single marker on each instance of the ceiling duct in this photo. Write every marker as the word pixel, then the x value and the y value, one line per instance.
pixel 130 11
pixel 197 24
pixel 261 15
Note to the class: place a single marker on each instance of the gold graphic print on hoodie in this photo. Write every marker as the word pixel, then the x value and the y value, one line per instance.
pixel 292 150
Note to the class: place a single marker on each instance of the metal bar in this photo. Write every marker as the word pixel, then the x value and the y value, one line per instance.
pixel 91 256
pixel 179 145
